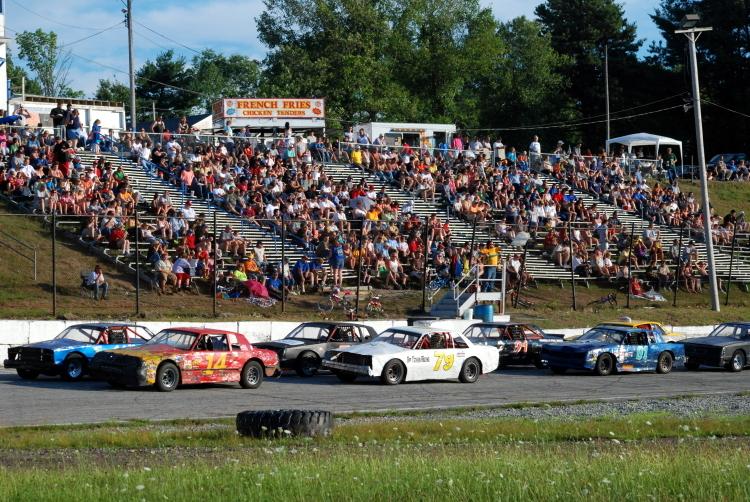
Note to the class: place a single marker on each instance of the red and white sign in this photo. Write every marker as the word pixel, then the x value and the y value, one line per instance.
pixel 270 108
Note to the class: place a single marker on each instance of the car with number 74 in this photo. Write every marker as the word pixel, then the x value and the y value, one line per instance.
pixel 408 354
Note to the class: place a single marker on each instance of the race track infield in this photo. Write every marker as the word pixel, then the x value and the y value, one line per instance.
pixel 52 401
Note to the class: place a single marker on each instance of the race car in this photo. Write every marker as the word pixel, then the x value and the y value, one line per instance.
pixel 727 346
pixel 304 347
pixel 656 327
pixel 187 356
pixel 70 352
pixel 517 343
pixel 409 354
pixel 608 349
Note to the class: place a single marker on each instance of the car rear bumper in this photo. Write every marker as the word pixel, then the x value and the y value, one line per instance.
pixel 351 368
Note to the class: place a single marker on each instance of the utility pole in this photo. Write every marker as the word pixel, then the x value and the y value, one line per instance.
pixel 131 58
pixel 606 90
pixel 692 33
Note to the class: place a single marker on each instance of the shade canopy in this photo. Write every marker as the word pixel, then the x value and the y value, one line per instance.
pixel 645 139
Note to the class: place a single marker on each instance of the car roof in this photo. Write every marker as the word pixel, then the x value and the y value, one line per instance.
pixel 416 330
pixel 616 327
pixel 632 323
pixel 208 331
pixel 104 325
pixel 500 323
pixel 334 323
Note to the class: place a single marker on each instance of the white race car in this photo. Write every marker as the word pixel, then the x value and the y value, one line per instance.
pixel 413 353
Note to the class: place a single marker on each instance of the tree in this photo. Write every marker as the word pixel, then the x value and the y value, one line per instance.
pixel 217 76
pixel 49 62
pixel 112 90
pixel 17 74
pixel 166 80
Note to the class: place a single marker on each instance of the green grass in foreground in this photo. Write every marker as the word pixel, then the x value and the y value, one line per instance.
pixel 637 457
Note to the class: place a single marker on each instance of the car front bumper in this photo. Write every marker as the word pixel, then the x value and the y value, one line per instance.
pixel 48 368
pixel 351 368
pixel 127 375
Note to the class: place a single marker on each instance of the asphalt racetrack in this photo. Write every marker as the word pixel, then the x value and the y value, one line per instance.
pixel 52 401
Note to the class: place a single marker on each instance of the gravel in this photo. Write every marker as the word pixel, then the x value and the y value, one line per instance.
pixel 726 404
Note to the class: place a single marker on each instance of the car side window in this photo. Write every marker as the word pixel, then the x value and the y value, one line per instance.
pixel 362 334
pixel 217 342
pixel 531 332
pixel 117 335
pixel 460 343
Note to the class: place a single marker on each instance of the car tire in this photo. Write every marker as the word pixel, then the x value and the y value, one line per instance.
pixel 167 377
pixel 664 363
pixel 282 423
pixel 558 370
pixel 251 375
pixel 539 363
pixel 73 368
pixel 470 371
pixel 692 366
pixel 346 376
pixel 27 374
pixel 605 365
pixel 737 362
pixel 307 365
pixel 393 373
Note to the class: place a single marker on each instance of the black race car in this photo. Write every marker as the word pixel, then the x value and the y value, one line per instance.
pixel 727 346
pixel 518 343
pixel 303 348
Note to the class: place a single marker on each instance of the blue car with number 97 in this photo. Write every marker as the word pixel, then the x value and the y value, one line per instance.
pixel 609 349
pixel 70 352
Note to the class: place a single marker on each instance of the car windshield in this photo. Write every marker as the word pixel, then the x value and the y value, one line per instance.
pixel 603 334
pixel 400 338
pixel 309 332
pixel 738 331
pixel 79 334
pixel 177 339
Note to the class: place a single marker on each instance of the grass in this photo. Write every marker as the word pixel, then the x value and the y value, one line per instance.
pixel 724 195
pixel 638 457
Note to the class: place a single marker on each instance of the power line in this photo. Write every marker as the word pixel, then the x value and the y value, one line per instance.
pixel 151 40
pixel 167 38
pixel 116 25
pixel 725 108
pixel 77 27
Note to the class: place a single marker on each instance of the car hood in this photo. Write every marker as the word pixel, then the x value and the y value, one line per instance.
pixel 574 346
pixel 375 349
pixel 148 350
pixel 712 341
pixel 287 343
pixel 61 344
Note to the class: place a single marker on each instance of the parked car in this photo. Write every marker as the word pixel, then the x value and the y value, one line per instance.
pixel 609 349
pixel 304 347
pixel 70 352
pixel 409 354
pixel 517 343
pixel 180 356
pixel 727 346
pixel 656 327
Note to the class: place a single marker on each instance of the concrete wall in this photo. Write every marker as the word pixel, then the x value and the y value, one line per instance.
pixel 22 332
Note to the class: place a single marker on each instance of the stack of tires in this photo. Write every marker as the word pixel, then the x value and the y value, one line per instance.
pixel 283 423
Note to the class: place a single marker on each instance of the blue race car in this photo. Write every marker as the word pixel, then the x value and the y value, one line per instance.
pixel 70 352
pixel 608 349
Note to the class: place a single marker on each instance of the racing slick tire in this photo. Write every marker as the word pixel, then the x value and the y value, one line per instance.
pixel 558 370
pixel 283 423
pixel 470 371
pixel 692 366
pixel 605 365
pixel 307 365
pixel 73 368
pixel 167 377
pixel 252 375
pixel 737 362
pixel 664 363
pixel 394 372
pixel 27 374
pixel 345 376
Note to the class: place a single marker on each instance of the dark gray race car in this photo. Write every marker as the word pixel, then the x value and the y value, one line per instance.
pixel 727 346
pixel 303 348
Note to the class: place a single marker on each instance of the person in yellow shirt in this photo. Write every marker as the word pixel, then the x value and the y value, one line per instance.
pixel 357 157
pixel 491 255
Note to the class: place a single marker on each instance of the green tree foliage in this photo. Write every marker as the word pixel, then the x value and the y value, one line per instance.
pixel 17 74
pixel 49 63
pixel 166 81
pixel 112 90
pixel 217 76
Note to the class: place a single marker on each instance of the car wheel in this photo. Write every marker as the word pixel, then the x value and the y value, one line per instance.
pixel 252 375
pixel 27 374
pixel 558 370
pixel 167 377
pixel 692 366
pixel 346 376
pixel 737 363
pixel 539 363
pixel 393 372
pixel 73 368
pixel 470 371
pixel 307 364
pixel 664 363
pixel 605 365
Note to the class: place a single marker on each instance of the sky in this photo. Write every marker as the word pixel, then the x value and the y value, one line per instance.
pixel 93 30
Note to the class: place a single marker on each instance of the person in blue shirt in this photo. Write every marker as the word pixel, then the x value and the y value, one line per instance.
pixel 302 273
pixel 336 261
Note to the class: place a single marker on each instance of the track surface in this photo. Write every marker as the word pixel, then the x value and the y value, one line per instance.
pixel 52 401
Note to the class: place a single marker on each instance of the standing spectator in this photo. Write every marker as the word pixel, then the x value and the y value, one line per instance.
pixel 491 256
pixel 74 129
pixel 302 273
pixel 58 119
pixel 96 136
pixel 95 282
pixel 181 270
pixel 535 151
pixel 336 261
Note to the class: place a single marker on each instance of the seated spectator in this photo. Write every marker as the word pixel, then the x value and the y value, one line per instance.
pixel 96 282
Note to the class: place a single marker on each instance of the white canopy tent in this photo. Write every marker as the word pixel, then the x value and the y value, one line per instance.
pixel 645 139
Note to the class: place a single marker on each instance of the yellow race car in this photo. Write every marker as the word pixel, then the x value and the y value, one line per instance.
pixel 656 327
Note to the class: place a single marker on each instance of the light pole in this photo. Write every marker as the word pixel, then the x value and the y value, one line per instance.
pixel 131 58
pixel 606 92
pixel 692 32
